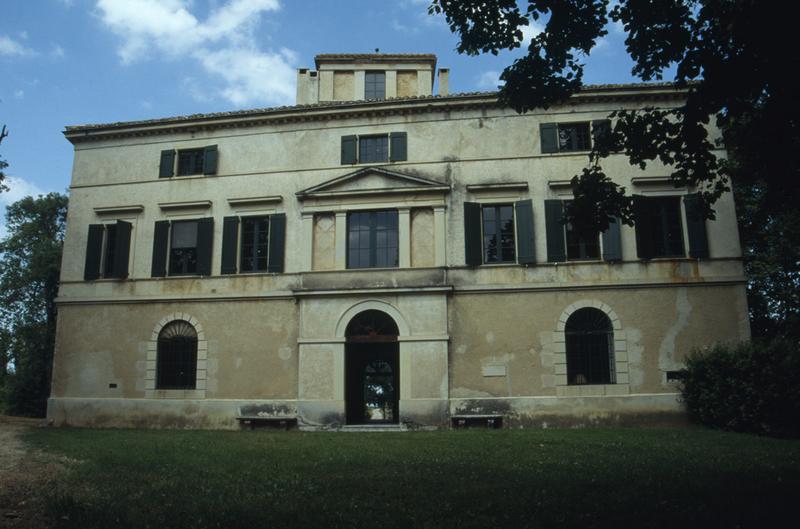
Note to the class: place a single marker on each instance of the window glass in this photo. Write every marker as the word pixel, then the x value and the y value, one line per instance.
pixel 589 343
pixel 574 137
pixel 110 248
pixel 374 85
pixel 255 243
pixel 580 247
pixel 498 234
pixel 176 364
pixel 190 162
pixel 666 228
pixel 372 240
pixel 373 149
pixel 183 248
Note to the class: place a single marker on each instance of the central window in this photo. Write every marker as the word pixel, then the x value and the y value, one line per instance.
pixel 373 148
pixel 374 85
pixel 659 222
pixel 190 162
pixel 183 248
pixel 372 240
pixel 498 234
pixel 255 244
pixel 579 246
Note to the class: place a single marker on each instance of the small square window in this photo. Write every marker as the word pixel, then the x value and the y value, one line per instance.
pixel 574 137
pixel 190 162
pixel 373 149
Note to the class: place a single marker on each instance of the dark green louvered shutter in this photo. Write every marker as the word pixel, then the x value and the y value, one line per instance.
pixel 230 235
pixel 210 160
pixel 601 128
pixel 549 135
pixel 167 167
pixel 160 247
pixel 523 211
pixel 398 146
pixel 643 220
pixel 349 149
pixel 122 249
pixel 205 244
pixel 612 242
pixel 696 227
pixel 94 249
pixel 473 246
pixel 277 242
pixel 553 215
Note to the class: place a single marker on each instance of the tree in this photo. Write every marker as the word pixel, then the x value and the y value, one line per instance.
pixel 3 164
pixel 30 262
pixel 731 58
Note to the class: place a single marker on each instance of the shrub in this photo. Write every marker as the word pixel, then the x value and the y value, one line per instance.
pixel 750 387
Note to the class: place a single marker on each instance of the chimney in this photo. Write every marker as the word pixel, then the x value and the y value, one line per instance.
pixel 444 81
pixel 302 86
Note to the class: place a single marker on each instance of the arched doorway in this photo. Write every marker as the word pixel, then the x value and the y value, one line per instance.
pixel 372 370
pixel 590 348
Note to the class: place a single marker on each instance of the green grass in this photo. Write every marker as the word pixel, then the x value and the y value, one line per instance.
pixel 509 479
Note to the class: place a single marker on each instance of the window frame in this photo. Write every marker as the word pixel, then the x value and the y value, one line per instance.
pixel 199 153
pixel 241 244
pixel 189 361
pixel 373 236
pixel 567 230
pixel 574 138
pixel 367 84
pixel 170 248
pixel 498 231
pixel 367 137
pixel 661 218
pixel 581 359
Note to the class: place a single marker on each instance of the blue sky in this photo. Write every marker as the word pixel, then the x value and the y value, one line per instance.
pixel 68 62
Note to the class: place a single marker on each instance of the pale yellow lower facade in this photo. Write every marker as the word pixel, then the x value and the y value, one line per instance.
pixel 462 351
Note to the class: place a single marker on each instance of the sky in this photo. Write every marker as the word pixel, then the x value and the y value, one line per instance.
pixel 72 62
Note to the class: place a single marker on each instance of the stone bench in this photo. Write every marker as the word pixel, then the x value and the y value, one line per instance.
pixel 486 421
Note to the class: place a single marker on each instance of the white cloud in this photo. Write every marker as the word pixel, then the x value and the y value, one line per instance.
pixel 224 44
pixel 529 32
pixel 19 93
pixel 489 80
pixel 17 189
pixel 57 51
pixel 12 48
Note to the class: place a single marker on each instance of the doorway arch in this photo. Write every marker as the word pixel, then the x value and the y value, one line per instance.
pixel 372 369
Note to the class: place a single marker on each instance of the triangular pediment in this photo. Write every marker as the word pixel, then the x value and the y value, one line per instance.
pixel 373 181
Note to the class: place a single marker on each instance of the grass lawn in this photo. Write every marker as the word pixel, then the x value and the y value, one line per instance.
pixel 509 479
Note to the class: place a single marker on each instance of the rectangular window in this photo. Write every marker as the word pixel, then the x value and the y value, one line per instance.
pixel 372 239
pixel 190 161
pixel 579 247
pixel 373 149
pixel 183 248
pixel 254 244
pixel 109 250
pixel 498 234
pixel 573 137
pixel 662 225
pixel 374 85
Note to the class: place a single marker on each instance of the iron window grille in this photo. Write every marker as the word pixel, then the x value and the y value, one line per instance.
pixel 498 234
pixel 176 364
pixel 372 239
pixel 590 346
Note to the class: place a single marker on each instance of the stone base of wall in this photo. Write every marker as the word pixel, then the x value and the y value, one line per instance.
pixel 517 412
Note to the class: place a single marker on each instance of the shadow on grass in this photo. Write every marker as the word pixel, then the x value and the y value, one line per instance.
pixel 531 478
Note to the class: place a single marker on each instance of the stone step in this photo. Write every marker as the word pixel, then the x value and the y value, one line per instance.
pixel 373 428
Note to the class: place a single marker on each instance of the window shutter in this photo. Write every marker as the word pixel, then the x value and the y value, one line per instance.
pixel 277 241
pixel 549 135
pixel 556 246
pixel 230 234
pixel 612 242
pixel 122 249
pixel 210 160
pixel 349 149
pixel 473 246
pixel 160 244
pixel 205 242
pixel 696 227
pixel 398 142
pixel 523 211
pixel 600 129
pixel 94 249
pixel 643 219
pixel 167 167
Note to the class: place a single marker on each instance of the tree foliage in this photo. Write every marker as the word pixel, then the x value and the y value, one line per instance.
pixel 3 163
pixel 30 262
pixel 733 60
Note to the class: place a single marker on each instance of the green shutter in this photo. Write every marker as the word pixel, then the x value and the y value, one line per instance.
pixel 600 129
pixel 230 235
pixel 398 146
pixel 523 212
pixel 349 149
pixel 210 160
pixel 612 242
pixel 696 227
pixel 160 247
pixel 167 167
pixel 94 249
pixel 277 242
pixel 643 219
pixel 473 245
pixel 549 135
pixel 556 246
pixel 205 243
pixel 122 249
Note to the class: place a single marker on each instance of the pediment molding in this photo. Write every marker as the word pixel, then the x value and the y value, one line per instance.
pixel 373 181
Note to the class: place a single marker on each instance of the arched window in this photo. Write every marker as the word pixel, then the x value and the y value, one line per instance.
pixel 372 326
pixel 176 362
pixel 590 348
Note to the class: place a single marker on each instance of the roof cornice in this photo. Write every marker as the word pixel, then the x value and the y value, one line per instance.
pixel 348 109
